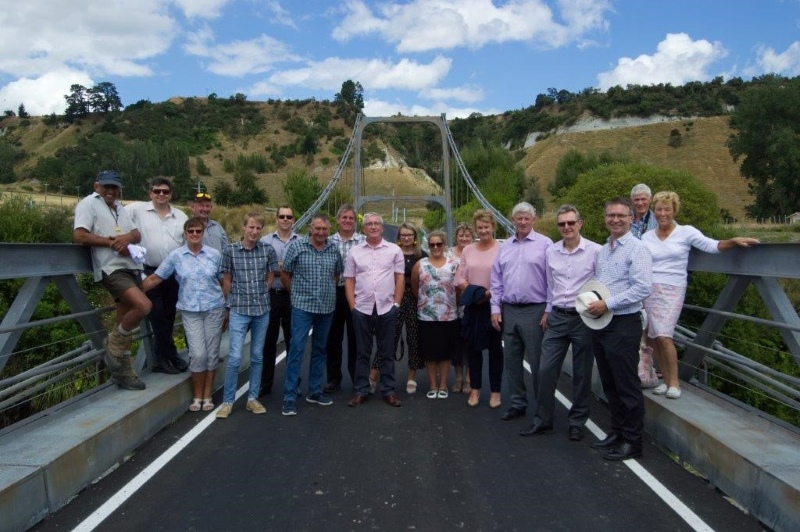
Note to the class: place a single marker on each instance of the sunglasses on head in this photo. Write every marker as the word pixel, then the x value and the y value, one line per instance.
pixel 161 191
pixel 568 222
pixel 202 195
pixel 285 216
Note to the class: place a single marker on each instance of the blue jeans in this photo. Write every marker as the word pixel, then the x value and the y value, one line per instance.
pixel 302 323
pixel 237 330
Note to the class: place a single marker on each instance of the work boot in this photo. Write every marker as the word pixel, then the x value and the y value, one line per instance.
pixel 116 345
pixel 126 377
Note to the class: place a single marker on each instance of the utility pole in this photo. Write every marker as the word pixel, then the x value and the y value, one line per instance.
pixel 45 192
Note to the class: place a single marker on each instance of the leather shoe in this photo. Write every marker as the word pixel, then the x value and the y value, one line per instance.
pixel 624 451
pixel 332 387
pixel 610 441
pixel 357 400
pixel 535 430
pixel 512 413
pixel 392 400
pixel 166 367
pixel 179 364
pixel 576 433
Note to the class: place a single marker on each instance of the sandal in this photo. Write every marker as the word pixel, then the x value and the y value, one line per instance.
pixel 467 388
pixel 442 393
pixel 208 404
pixel 195 406
pixel 411 386
pixel 431 394
pixel 457 386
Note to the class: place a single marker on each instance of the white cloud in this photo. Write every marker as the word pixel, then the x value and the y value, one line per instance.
pixel 422 25
pixel 462 94
pixel 373 74
pixel 280 15
pixel 786 63
pixel 116 38
pixel 382 108
pixel 43 95
pixel 207 9
pixel 678 59
pixel 238 58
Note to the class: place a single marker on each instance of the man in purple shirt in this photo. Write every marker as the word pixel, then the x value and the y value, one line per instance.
pixel 519 295
pixel 373 284
pixel 570 264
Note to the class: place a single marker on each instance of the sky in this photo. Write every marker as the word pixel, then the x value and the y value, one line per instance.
pixel 414 57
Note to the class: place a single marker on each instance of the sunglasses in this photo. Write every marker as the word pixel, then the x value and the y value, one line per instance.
pixel 285 216
pixel 435 244
pixel 194 231
pixel 202 195
pixel 161 191
pixel 568 222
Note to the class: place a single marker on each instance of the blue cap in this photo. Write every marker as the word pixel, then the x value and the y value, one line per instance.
pixel 109 177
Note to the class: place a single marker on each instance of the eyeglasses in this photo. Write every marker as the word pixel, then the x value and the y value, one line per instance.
pixel 285 216
pixel 568 222
pixel 194 231
pixel 161 191
pixel 372 224
pixel 613 216
pixel 202 195
pixel 406 236
pixel 435 245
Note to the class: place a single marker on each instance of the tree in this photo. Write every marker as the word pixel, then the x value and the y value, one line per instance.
pixel 575 163
pixel 21 112
pixel 301 189
pixel 352 94
pixel 767 125
pixel 104 98
pixel 77 103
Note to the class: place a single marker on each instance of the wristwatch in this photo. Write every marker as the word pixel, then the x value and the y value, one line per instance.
pixel 396 305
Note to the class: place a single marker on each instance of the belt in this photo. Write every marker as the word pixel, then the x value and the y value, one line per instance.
pixel 278 291
pixel 569 311
pixel 148 267
pixel 521 305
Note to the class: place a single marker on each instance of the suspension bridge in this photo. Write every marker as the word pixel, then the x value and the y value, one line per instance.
pixel 111 459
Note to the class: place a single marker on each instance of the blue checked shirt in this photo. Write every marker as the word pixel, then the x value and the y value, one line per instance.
pixel 626 268
pixel 313 275
pixel 345 246
pixel 248 268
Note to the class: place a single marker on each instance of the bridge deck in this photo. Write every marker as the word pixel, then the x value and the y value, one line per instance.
pixel 430 465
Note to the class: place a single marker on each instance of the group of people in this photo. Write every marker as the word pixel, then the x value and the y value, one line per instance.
pixel 526 298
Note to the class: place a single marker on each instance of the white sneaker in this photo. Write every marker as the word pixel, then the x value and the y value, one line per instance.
pixel 673 393
pixel 661 389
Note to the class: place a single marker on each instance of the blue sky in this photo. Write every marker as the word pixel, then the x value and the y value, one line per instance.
pixel 415 57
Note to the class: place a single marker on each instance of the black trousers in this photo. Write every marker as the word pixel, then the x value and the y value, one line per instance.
pixel 616 350
pixel 164 298
pixel 342 321
pixel 280 317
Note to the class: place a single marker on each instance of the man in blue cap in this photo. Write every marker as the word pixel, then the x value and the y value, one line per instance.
pixel 102 223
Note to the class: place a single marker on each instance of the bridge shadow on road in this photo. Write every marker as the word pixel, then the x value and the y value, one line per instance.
pixel 430 465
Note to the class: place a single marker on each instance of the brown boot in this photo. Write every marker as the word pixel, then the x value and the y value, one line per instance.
pixel 116 345
pixel 126 377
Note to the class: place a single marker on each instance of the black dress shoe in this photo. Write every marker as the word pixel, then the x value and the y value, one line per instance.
pixel 535 430
pixel 392 400
pixel 512 413
pixel 332 387
pixel 576 433
pixel 624 451
pixel 357 400
pixel 179 364
pixel 166 367
pixel 610 441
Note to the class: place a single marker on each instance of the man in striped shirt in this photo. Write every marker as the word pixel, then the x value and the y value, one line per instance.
pixel 248 268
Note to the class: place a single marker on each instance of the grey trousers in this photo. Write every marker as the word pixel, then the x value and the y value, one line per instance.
pixel 522 337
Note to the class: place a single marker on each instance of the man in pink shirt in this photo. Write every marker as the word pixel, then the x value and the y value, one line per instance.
pixel 373 284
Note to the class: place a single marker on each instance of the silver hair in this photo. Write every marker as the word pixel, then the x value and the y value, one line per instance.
pixel 373 215
pixel 345 207
pixel 564 209
pixel 641 188
pixel 523 207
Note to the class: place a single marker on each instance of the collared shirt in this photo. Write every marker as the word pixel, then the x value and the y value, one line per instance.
pixel 345 246
pixel 647 223
pixel 374 269
pixel 568 271
pixel 159 235
pixel 198 277
pixel 249 268
pixel 93 214
pixel 626 268
pixel 274 240
pixel 215 236
pixel 518 273
pixel 314 273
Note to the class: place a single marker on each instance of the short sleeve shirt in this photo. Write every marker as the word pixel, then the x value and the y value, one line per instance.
pixel 198 277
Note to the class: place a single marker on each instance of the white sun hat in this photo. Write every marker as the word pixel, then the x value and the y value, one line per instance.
pixel 589 293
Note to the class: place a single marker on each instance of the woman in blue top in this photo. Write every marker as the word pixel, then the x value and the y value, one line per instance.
pixel 202 306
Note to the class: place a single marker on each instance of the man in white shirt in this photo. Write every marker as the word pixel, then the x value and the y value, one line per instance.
pixel 161 227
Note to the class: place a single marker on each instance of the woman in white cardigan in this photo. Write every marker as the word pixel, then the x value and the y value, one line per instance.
pixel 669 245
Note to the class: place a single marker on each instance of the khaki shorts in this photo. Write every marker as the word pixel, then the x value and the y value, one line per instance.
pixel 121 280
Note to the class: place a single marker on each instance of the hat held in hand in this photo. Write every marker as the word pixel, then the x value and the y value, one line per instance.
pixel 591 292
